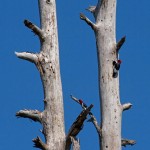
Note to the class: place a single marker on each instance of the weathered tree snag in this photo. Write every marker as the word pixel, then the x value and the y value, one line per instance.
pixel 111 111
pixel 107 52
pixel 47 62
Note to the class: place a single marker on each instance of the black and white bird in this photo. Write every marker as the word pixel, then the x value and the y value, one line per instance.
pixel 116 67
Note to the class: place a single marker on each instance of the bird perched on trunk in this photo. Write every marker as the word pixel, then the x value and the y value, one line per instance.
pixel 116 67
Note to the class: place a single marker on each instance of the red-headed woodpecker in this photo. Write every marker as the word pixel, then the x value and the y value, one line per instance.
pixel 116 67
pixel 84 106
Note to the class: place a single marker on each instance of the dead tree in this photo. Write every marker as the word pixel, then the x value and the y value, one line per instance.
pixel 107 53
pixel 47 62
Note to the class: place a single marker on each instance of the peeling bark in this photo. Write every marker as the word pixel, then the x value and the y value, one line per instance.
pixel 77 126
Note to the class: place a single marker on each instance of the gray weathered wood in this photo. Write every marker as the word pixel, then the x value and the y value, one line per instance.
pixel 111 111
pixel 111 108
pixel 76 144
pixel 47 62
pixel 53 115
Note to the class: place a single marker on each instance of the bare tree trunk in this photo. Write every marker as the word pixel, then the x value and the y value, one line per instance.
pixel 107 52
pixel 47 62
pixel 111 110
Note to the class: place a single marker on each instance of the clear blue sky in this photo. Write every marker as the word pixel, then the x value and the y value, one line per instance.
pixel 20 85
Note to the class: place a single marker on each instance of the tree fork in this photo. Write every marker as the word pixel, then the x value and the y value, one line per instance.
pixel 47 62
pixel 92 118
pixel 77 126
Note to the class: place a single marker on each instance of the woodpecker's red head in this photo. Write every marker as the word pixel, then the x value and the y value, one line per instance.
pixel 80 101
pixel 119 61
